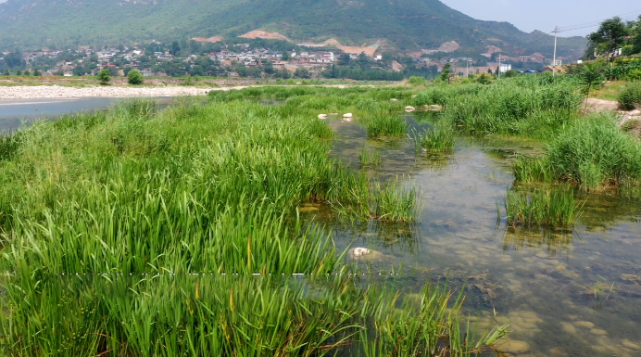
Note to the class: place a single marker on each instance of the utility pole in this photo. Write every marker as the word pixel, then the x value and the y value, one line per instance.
pixel 468 68
pixel 499 65
pixel 556 31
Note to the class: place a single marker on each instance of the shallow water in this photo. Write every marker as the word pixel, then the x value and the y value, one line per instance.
pixel 573 293
pixel 13 113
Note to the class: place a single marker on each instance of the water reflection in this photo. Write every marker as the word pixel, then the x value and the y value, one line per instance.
pixel 565 293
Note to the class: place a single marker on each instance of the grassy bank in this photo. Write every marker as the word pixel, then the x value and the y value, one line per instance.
pixel 118 225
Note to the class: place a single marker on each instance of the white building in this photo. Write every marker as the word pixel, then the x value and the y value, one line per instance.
pixel 505 67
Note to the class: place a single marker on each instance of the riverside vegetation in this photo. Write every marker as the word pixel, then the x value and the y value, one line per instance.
pixel 142 200
pixel 118 224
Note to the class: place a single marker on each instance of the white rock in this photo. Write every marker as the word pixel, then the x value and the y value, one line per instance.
pixel 409 109
pixel 394 100
pixel 359 252
pixel 322 116
pixel 347 115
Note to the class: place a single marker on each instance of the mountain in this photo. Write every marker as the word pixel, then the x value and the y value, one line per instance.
pixel 405 25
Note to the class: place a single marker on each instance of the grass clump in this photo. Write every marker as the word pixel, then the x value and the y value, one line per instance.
pixel 369 159
pixel 593 153
pixel 439 138
pixel 549 209
pixel 391 203
pixel 433 330
pixel 630 96
pixel 385 125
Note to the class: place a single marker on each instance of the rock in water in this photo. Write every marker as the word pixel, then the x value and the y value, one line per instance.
pixel 409 109
pixel 358 252
pixel 322 116
pixel 347 115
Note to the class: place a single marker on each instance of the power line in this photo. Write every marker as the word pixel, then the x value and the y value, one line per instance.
pixel 625 16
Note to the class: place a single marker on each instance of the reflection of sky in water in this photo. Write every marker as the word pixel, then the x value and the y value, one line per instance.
pixel 14 112
pixel 564 293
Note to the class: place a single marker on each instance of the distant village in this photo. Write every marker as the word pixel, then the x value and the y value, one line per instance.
pixel 243 60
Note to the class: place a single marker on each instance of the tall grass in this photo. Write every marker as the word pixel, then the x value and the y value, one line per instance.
pixel 550 209
pixel 517 106
pixel 385 125
pixel 630 96
pixel 127 204
pixel 593 153
pixel 439 138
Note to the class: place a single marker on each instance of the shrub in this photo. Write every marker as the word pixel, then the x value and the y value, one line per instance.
pixel 135 77
pixel 104 76
pixel 630 96
pixel 440 138
pixel 416 81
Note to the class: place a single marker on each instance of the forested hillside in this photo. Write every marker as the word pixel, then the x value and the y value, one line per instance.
pixel 405 24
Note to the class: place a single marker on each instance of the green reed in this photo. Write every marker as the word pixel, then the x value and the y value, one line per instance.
pixel 552 209
pixel 385 125
pixel 369 159
pixel 132 196
pixel 439 138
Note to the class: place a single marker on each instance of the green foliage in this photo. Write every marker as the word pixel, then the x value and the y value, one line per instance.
pixel 511 73
pixel 416 81
pixel 630 96
pixel 439 138
pixel 520 106
pixel 484 79
pixel 385 125
pixel 551 209
pixel 591 74
pixel 609 37
pixel 135 77
pixel 445 74
pixel 593 153
pixel 104 76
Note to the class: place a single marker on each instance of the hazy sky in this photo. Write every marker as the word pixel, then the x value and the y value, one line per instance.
pixel 545 14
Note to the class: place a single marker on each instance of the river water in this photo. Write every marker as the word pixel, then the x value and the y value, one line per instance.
pixel 564 293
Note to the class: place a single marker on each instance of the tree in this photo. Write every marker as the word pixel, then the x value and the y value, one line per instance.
pixel 14 59
pixel 445 75
pixel 7 73
pixel 510 73
pixel 27 73
pixel 610 36
pixel 302 73
pixel 135 77
pixel 18 73
pixel 175 48
pixel 285 56
pixel 591 74
pixel 104 76
pixel 345 59
pixel 37 73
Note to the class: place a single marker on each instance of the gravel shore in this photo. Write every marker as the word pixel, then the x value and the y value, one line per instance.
pixel 37 92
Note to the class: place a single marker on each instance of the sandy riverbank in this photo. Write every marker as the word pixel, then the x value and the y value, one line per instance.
pixel 40 92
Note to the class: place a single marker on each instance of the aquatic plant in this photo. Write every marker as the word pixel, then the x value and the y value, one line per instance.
pixel 391 203
pixel 370 159
pixel 142 210
pixel 385 125
pixel 550 209
pixel 439 138
pixel 594 152
pixel 431 330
